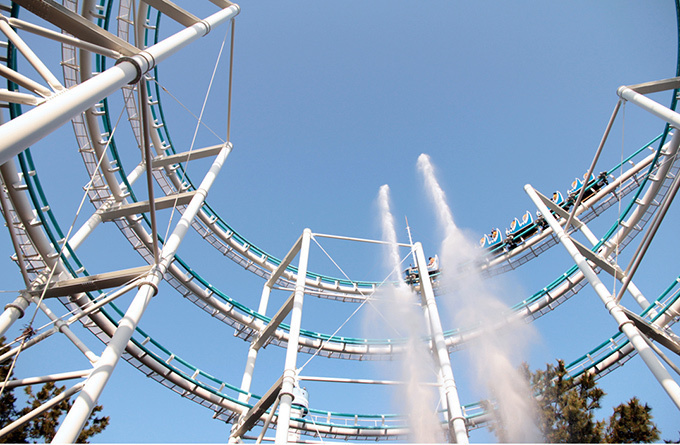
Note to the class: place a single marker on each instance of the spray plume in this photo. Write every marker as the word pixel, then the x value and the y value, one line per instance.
pixel 473 302
pixel 405 314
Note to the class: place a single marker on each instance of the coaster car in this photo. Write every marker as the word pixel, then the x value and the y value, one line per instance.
pixel 492 240
pixel 593 185
pixel 557 198
pixel 576 185
pixel 412 276
pixel 521 230
pixel 517 226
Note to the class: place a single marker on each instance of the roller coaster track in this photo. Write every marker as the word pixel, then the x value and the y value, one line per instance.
pixel 38 235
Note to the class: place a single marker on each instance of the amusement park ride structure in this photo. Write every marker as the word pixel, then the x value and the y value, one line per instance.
pixel 55 278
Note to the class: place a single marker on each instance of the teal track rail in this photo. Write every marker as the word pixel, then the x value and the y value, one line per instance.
pixel 164 356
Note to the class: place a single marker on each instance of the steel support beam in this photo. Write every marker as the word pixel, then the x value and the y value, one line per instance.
pixel 457 428
pixel 103 368
pixel 665 338
pixel 289 372
pixel 135 208
pixel 32 58
pixel 48 378
pixel 248 421
pixel 276 273
pixel 20 98
pixel 624 323
pixel 62 38
pixel 173 11
pixel 658 110
pixel 77 25
pixel 91 283
pixel 42 408
pixel 164 161
pixel 656 86
pixel 32 126
pixel 274 323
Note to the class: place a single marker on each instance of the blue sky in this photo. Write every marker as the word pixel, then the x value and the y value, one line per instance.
pixel 330 102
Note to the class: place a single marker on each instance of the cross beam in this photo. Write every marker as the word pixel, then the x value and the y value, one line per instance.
pixel 91 283
pixel 135 208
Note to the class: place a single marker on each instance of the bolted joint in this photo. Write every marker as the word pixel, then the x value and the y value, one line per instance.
pixel 628 321
pixel 143 62
pixel 286 393
pixel 17 307
pixel 207 25
pixel 149 282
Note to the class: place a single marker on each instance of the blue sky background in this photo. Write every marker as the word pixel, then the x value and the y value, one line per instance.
pixel 333 100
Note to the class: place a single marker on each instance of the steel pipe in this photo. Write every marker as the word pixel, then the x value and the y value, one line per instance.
pixel 86 401
pixel 625 325
pixel 289 373
pixel 30 127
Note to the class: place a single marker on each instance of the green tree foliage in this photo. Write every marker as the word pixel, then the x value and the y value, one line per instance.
pixel 630 423
pixel 567 407
pixel 566 411
pixel 43 427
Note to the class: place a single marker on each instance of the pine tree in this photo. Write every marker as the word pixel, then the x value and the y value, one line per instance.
pixel 43 427
pixel 631 423
pixel 567 408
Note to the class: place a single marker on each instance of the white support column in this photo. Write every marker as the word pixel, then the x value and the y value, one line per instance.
pixel 63 327
pixel 658 110
pixel 455 413
pixel 440 376
pixel 32 126
pixel 42 408
pixel 625 325
pixel 32 58
pixel 13 311
pixel 86 401
pixel 252 352
pixel 82 233
pixel 286 395
pixel 264 303
pixel 247 379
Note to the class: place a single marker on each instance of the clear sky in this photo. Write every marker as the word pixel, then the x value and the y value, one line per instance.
pixel 331 101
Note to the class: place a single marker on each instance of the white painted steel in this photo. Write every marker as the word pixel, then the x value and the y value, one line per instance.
pixel 360 240
pixel 63 327
pixel 455 413
pixel 24 81
pixel 148 161
pixel 84 312
pixel 625 325
pixel 30 127
pixel 83 232
pixel 360 381
pixel 32 58
pixel 650 105
pixel 44 379
pixel 598 152
pixel 86 401
pixel 63 38
pixel 13 311
pixel 41 409
pixel 252 352
pixel 20 98
pixel 289 372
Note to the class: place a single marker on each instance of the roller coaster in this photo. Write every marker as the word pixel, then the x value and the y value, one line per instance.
pixel 112 47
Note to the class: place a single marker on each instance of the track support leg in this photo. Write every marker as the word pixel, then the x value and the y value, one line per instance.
pixel 625 324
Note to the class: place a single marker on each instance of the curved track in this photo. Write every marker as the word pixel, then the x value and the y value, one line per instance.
pixel 38 232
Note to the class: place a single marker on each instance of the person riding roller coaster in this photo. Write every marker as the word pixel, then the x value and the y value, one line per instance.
pixel 412 276
pixel 433 264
